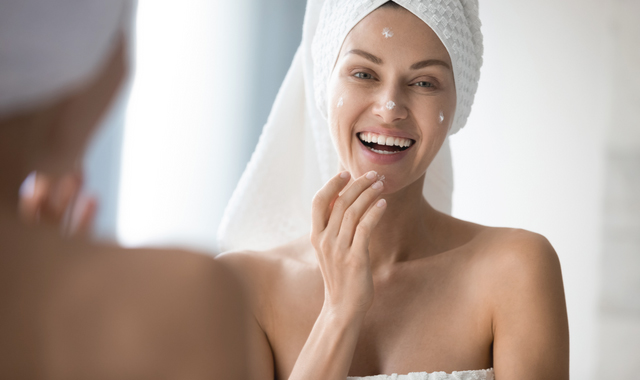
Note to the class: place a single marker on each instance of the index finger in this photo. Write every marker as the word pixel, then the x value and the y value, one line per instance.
pixel 320 208
pixel 33 194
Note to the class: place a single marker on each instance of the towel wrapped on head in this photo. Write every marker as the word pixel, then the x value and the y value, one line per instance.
pixel 49 48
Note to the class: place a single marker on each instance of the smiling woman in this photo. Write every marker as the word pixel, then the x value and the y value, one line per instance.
pixel 379 281
pixel 412 71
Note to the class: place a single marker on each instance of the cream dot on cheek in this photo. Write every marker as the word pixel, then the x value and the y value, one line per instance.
pixel 441 118
pixel 340 102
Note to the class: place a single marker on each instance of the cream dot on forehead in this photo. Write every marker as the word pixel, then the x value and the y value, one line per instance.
pixel 387 32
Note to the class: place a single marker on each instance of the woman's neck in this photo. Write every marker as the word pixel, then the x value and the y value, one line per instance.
pixel 405 230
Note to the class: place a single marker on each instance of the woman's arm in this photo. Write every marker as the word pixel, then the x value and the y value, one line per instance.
pixel 531 333
pixel 341 228
pixel 260 359
pixel 340 234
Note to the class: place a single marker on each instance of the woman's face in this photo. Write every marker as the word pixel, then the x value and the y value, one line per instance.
pixel 392 97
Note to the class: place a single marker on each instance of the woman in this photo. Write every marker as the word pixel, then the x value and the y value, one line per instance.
pixel 70 309
pixel 385 283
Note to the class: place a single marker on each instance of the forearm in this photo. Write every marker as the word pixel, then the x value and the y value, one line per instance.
pixel 328 352
pixel 341 231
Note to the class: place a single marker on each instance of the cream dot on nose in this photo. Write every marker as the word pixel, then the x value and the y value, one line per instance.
pixel 390 105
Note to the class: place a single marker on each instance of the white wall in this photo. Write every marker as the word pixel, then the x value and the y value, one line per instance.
pixel 532 153
pixel 187 111
pixel 619 325
pixel 207 75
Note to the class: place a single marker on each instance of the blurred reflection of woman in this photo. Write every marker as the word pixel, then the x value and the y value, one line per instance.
pixel 70 309
pixel 371 275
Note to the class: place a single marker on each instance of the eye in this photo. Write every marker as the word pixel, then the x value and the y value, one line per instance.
pixel 362 75
pixel 423 84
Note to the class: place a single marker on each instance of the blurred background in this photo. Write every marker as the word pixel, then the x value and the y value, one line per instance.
pixel 552 145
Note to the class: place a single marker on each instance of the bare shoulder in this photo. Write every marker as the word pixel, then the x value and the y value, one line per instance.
pixel 501 256
pixel 516 251
pixel 158 288
pixel 118 313
pixel 520 272
pixel 145 269
pixel 521 281
pixel 258 268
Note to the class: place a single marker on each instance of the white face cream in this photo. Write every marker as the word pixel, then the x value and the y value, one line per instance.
pixel 390 105
pixel 340 103
pixel 387 32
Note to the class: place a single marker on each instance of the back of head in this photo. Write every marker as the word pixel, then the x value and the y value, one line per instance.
pixel 49 48
pixel 61 64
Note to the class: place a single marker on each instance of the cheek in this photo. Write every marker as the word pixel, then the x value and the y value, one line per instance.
pixel 435 115
pixel 447 110
pixel 346 108
pixel 434 119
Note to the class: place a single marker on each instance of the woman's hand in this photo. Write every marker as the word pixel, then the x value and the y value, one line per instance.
pixel 340 233
pixel 57 202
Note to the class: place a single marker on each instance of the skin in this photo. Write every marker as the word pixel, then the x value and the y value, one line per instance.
pixel 58 201
pixel 72 309
pixel 400 288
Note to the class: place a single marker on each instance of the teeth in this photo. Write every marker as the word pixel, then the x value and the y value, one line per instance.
pixel 384 151
pixel 376 138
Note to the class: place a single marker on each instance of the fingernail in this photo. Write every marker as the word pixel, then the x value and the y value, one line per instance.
pixel 377 185
pixel 371 175
pixel 344 174
pixel 28 187
pixel 381 203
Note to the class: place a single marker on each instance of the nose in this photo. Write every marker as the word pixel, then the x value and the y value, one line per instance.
pixel 390 106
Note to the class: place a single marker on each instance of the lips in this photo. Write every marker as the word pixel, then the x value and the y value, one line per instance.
pixel 382 148
pixel 380 143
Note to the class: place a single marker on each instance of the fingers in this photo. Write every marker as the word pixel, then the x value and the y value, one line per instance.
pixel 34 193
pixel 353 215
pixel 368 224
pixel 347 198
pixel 57 202
pixel 61 198
pixel 320 209
pixel 83 216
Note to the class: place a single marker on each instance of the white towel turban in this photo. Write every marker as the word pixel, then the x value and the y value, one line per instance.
pixel 48 48
pixel 295 155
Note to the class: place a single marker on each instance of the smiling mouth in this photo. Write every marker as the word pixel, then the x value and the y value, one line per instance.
pixel 383 144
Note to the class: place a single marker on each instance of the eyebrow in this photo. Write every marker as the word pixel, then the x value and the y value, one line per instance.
pixel 365 55
pixel 429 62
pixel 415 66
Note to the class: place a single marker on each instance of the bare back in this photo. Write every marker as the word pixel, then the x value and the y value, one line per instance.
pixel 73 310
